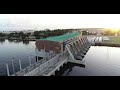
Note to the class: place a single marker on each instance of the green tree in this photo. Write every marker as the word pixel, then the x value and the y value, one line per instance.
pixel 2 35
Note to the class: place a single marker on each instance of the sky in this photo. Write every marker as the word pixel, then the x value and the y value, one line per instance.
pixel 10 22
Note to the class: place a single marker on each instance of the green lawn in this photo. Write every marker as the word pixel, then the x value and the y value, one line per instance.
pixel 115 40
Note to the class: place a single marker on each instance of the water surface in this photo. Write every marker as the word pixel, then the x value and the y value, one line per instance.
pixel 99 61
pixel 18 50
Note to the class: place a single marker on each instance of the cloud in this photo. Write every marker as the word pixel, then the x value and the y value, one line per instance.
pixel 54 21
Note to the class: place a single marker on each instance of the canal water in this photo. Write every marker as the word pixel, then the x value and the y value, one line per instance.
pixel 18 50
pixel 99 60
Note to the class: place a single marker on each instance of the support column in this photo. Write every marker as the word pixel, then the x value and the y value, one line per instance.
pixel 70 52
pixel 58 69
pixel 53 73
pixel 20 64
pixel 36 58
pixel 13 66
pixel 36 51
pixel 29 60
pixel 7 70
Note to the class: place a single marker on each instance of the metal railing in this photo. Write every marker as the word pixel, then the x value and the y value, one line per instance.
pixel 29 68
pixel 48 64
pixel 41 65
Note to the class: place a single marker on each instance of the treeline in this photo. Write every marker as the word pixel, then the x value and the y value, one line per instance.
pixel 37 34
pixel 88 33
pixel 48 33
pixel 2 35
pixel 20 35
pixel 112 33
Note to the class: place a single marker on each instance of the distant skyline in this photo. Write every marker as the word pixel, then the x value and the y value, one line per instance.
pixel 10 22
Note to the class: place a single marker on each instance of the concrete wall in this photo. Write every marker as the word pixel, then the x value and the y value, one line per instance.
pixel 48 45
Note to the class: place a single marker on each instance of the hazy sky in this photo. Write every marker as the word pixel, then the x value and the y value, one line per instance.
pixel 58 21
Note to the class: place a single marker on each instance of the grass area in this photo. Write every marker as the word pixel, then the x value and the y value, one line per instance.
pixel 115 40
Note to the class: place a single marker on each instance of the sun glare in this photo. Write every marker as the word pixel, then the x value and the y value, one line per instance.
pixel 113 29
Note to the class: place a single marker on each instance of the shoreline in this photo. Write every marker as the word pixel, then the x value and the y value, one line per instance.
pixel 19 39
pixel 23 39
pixel 107 44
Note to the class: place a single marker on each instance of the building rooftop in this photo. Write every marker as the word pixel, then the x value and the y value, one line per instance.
pixel 62 38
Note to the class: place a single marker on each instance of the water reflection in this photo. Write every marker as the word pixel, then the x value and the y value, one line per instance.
pixel 67 69
pixel 26 42
pixel 2 40
pixel 99 61
pixel 15 41
pixel 10 40
pixel 18 41
pixel 17 50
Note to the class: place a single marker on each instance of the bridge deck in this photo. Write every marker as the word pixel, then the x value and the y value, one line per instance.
pixel 50 70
